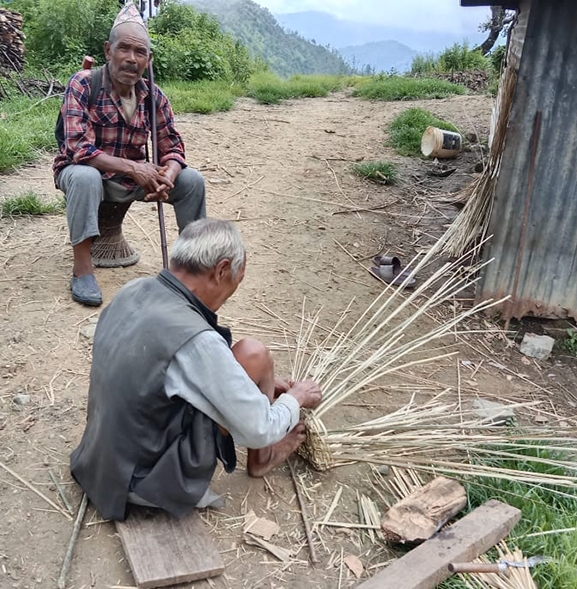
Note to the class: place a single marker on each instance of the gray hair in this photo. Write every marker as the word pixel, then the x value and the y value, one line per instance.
pixel 204 243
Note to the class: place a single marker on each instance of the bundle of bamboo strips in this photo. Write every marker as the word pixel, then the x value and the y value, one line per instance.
pixel 463 445
pixel 377 344
pixel 438 437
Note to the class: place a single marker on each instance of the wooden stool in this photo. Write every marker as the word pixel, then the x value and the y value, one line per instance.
pixel 110 249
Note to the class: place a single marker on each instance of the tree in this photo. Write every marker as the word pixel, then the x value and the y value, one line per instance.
pixel 498 24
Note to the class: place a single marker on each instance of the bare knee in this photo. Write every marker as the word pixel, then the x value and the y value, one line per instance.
pixel 257 360
pixel 249 349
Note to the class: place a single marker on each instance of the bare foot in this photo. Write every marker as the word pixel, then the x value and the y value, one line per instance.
pixel 259 462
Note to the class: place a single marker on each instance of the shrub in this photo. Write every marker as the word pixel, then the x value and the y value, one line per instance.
pixel 380 172
pixel 406 130
pixel 497 57
pixel 460 58
pixel 191 46
pixel 457 58
pixel 60 32
pixel 187 57
pixel 424 64
pixel 174 18
pixel 384 87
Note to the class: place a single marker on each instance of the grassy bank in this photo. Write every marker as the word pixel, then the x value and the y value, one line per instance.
pixel 391 88
pixel 27 125
pixel 26 129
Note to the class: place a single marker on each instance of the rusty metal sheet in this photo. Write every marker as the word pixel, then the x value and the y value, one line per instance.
pixel 534 217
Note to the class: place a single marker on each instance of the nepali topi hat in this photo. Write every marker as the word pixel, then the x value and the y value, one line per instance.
pixel 129 14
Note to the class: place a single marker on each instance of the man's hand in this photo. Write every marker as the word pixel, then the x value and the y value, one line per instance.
pixel 169 173
pixel 307 393
pixel 153 179
pixel 281 386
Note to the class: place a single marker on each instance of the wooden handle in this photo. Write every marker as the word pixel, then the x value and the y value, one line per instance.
pixel 87 62
pixel 477 567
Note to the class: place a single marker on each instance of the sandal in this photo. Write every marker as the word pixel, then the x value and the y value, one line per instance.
pixel 394 274
pixel 387 261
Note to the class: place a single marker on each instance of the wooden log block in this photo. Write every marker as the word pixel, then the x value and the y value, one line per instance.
pixel 425 511
pixel 163 550
pixel 427 565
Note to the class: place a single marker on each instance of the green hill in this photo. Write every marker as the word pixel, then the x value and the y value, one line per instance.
pixel 286 52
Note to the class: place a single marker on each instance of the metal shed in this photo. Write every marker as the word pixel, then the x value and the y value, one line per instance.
pixel 534 217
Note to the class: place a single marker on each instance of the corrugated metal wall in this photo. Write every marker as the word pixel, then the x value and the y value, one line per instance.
pixel 534 218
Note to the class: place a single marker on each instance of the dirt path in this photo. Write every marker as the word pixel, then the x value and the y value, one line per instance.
pixel 283 173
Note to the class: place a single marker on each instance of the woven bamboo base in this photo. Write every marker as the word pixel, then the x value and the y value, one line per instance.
pixel 110 249
pixel 315 449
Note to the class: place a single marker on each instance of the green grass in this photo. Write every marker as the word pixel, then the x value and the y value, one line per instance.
pixel 26 127
pixel 268 88
pixel 407 129
pixel 542 510
pixel 30 204
pixel 569 343
pixel 202 97
pixel 389 88
pixel 381 172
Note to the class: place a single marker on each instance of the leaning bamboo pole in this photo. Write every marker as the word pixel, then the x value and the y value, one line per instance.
pixel 472 223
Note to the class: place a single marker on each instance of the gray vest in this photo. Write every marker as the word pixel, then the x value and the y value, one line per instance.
pixel 136 438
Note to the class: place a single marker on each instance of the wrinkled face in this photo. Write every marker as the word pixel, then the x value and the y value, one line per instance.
pixel 227 283
pixel 127 54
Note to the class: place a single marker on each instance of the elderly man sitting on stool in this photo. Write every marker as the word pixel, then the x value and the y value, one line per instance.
pixel 168 393
pixel 102 156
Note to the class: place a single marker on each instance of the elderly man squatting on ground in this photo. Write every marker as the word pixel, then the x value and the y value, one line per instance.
pixel 103 155
pixel 169 395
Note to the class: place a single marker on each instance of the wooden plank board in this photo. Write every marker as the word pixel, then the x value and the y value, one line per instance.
pixel 163 550
pixel 426 566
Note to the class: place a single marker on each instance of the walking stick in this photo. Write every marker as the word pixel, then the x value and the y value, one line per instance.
pixel 154 136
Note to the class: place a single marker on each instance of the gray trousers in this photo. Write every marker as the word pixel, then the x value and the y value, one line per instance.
pixel 84 189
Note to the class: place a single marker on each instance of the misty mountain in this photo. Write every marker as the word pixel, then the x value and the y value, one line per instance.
pixel 380 57
pixel 286 52
pixel 329 30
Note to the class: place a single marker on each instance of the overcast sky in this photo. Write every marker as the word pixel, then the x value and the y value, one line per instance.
pixel 440 15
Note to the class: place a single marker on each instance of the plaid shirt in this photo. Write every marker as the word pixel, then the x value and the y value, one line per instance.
pixel 88 132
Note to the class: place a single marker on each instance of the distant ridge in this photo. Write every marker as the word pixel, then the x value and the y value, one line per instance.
pixel 286 53
pixel 383 56
pixel 328 30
